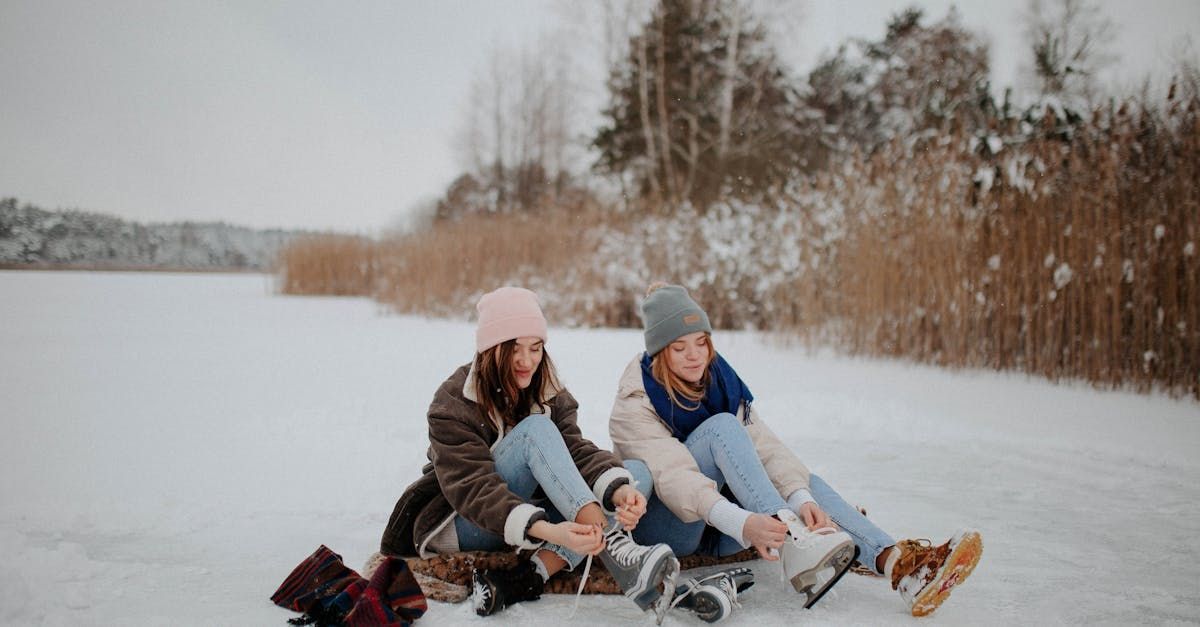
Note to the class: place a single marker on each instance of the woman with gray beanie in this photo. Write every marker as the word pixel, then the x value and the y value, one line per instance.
pixel 723 482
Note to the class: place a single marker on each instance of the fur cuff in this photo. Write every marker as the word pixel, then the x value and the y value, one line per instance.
pixel 517 522
pixel 605 480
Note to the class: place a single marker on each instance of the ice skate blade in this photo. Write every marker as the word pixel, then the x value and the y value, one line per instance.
pixel 836 559
pixel 665 595
pixel 806 583
pixel 959 565
pixel 645 591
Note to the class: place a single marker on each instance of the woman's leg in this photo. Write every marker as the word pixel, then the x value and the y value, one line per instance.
pixel 871 540
pixel 659 525
pixel 725 453
pixel 533 454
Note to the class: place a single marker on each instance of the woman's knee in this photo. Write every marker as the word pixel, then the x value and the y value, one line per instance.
pixel 724 427
pixel 724 423
pixel 642 479
pixel 535 425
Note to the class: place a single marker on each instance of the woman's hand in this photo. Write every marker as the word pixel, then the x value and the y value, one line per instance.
pixel 630 504
pixel 577 537
pixel 765 533
pixel 814 518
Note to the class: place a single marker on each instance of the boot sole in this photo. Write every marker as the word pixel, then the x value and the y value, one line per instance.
pixel 959 565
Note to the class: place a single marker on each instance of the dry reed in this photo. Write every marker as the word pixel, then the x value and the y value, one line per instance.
pixel 1064 258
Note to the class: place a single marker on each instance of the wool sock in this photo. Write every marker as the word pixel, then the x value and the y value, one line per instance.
pixel 540 568
pixel 890 563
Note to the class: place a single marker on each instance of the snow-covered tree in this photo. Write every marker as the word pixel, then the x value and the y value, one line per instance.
pixel 915 78
pixel 700 106
pixel 1069 43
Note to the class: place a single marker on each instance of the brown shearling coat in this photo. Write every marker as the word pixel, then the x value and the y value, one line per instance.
pixel 461 479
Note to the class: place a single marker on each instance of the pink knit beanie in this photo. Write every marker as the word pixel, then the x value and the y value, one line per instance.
pixel 506 314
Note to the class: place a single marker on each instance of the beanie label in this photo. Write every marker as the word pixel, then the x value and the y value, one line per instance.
pixel 691 319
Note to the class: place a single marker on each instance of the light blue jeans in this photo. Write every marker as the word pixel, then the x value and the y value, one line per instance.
pixel 533 454
pixel 725 453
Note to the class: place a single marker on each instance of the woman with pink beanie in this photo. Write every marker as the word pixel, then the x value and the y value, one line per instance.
pixel 509 467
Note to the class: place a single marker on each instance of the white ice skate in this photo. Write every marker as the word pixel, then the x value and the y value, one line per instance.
pixel 814 560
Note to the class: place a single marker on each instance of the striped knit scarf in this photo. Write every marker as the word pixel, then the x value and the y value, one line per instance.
pixel 329 593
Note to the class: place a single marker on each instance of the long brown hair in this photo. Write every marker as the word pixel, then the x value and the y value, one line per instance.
pixel 677 387
pixel 496 386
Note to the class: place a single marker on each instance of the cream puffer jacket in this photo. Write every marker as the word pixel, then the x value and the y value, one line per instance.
pixel 638 433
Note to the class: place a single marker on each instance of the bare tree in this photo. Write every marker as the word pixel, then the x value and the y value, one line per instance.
pixel 1070 44
pixel 518 140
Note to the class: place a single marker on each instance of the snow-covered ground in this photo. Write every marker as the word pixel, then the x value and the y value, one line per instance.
pixel 173 445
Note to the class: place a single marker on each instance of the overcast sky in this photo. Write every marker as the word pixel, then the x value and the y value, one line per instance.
pixel 333 115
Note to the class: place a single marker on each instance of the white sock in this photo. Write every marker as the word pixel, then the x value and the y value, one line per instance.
pixel 892 558
pixel 540 568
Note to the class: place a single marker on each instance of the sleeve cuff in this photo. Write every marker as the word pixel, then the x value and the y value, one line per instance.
pixel 518 521
pixel 729 519
pixel 798 498
pixel 609 480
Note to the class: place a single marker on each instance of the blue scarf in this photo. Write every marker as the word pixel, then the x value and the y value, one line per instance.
pixel 725 394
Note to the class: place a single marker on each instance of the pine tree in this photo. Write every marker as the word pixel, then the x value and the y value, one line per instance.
pixel 700 107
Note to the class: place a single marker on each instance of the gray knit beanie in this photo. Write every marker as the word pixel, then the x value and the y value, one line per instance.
pixel 668 313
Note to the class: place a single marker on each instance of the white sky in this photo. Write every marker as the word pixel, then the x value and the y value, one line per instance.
pixel 308 114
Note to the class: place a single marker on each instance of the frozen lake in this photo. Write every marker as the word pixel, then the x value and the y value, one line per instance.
pixel 175 444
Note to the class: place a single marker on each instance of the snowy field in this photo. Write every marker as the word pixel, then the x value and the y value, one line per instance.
pixel 174 444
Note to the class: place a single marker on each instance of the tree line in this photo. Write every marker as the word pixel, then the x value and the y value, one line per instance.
pixel 889 204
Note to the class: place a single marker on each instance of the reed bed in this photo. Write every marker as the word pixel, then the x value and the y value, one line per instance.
pixel 1061 256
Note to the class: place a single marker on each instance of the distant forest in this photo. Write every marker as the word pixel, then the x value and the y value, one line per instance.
pixel 35 237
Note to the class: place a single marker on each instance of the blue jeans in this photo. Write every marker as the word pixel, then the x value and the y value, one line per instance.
pixel 725 453
pixel 533 454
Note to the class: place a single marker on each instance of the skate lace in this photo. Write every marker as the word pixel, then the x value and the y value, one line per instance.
pixel 915 554
pixel 620 546
pixel 803 539
pixel 725 582
pixel 692 585
pixel 729 587
pixel 587 569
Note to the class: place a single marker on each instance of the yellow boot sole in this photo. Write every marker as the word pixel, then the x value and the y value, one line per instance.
pixel 959 564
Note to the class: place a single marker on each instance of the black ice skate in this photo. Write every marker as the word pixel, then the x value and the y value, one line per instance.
pixel 713 597
pixel 494 590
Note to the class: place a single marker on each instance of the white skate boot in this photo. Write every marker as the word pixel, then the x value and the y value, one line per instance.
pixel 806 555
